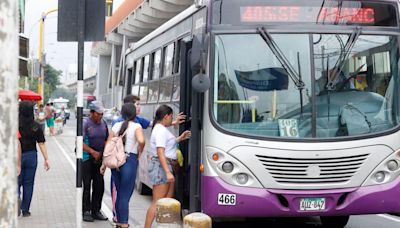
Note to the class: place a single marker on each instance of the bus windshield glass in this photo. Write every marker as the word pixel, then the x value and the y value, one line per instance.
pixel 306 85
pixel 365 13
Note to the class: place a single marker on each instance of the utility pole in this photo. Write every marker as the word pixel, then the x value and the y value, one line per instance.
pixel 8 107
pixel 41 52
pixel 80 20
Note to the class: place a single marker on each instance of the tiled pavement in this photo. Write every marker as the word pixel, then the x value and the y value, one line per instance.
pixel 54 195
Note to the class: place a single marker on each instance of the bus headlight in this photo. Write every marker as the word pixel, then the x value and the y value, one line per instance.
pixel 242 178
pixel 218 163
pixel 379 176
pixel 386 171
pixel 392 165
pixel 227 167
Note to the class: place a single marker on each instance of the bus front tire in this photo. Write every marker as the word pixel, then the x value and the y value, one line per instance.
pixel 334 221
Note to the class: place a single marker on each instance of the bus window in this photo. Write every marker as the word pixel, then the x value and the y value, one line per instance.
pixel 135 90
pixel 176 91
pixel 129 73
pixel 146 68
pixel 143 93
pixel 361 81
pixel 153 91
pixel 156 64
pixel 177 59
pixel 168 59
pixel 166 89
pixel 382 72
pixel 138 69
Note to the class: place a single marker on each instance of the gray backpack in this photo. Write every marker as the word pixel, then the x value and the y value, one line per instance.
pixel 352 121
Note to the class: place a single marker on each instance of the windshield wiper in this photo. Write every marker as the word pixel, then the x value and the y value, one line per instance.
pixel 334 76
pixel 296 77
pixel 281 58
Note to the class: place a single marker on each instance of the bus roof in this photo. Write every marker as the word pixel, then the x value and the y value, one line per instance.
pixel 164 27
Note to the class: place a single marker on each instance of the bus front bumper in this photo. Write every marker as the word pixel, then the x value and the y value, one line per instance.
pixel 258 202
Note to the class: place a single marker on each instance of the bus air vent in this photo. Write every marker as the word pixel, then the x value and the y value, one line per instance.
pixel 312 170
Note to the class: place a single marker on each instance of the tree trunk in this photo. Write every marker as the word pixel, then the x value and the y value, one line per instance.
pixel 8 112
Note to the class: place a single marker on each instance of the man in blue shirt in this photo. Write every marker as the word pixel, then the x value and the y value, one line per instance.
pixel 145 123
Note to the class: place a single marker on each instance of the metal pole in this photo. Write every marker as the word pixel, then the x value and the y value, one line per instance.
pixel 40 53
pixel 8 105
pixel 79 111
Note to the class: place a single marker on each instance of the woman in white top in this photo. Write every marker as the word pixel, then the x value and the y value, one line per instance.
pixel 124 177
pixel 163 152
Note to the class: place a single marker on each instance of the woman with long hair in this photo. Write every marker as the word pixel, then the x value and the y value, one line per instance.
pixel 124 177
pixel 31 133
pixel 163 156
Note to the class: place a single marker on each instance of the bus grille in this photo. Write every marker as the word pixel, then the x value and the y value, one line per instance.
pixel 312 170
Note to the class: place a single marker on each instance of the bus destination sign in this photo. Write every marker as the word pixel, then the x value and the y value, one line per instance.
pixel 307 14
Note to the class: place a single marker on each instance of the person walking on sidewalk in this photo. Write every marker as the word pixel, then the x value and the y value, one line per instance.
pixel 41 117
pixel 31 133
pixel 50 118
pixel 95 134
pixel 124 177
pixel 163 158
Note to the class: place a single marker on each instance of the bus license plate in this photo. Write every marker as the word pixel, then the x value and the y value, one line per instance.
pixel 312 204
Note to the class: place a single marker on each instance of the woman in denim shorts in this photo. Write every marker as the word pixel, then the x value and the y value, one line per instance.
pixel 163 153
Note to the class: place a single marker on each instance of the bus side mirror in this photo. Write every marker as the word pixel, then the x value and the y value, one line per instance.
pixel 198 58
pixel 201 83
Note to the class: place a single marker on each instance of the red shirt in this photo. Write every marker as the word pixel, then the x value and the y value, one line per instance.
pixel 18 135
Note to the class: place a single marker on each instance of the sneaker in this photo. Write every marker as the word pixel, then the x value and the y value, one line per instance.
pixel 99 216
pixel 87 217
pixel 26 214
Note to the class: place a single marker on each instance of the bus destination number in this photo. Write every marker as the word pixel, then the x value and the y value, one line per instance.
pixel 226 199
pixel 312 204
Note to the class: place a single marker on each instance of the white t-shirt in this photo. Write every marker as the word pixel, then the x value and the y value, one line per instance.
pixel 162 137
pixel 131 143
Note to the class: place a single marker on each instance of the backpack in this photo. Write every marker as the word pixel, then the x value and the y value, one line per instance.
pixel 114 152
pixel 352 121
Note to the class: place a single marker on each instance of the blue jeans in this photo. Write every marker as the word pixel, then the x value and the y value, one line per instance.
pixel 27 178
pixel 124 180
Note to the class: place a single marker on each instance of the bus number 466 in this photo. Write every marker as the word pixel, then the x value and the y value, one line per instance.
pixel 226 199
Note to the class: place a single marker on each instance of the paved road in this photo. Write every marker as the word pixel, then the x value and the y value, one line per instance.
pixel 139 204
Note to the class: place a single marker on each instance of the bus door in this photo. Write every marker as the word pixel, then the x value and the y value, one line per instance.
pixel 183 178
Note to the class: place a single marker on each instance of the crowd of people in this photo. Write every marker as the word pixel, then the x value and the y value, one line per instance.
pixel 129 125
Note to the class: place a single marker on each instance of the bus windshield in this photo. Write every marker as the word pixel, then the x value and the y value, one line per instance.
pixel 306 85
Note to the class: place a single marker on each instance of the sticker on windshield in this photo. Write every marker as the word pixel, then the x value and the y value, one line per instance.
pixel 288 128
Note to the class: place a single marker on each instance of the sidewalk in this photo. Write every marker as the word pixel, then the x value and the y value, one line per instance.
pixel 54 196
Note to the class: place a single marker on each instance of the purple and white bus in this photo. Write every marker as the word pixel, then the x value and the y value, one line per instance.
pixel 293 105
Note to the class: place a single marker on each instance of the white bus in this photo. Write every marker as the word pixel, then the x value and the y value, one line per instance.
pixel 293 105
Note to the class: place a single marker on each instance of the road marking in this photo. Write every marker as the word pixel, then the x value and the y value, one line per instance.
pixel 390 218
pixel 106 210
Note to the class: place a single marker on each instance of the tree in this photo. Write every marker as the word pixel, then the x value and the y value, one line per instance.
pixel 51 78
pixel 51 81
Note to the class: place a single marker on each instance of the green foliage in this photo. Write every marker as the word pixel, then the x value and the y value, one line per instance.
pixel 51 77
pixel 51 81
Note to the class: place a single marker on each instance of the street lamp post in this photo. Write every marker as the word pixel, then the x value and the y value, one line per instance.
pixel 41 51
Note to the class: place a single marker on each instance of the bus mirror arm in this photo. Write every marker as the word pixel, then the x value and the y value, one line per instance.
pixel 198 58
